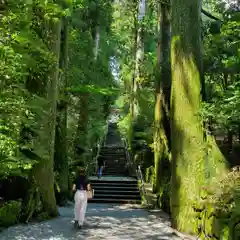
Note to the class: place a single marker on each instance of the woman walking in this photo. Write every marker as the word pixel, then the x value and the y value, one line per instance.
pixel 100 168
pixel 81 187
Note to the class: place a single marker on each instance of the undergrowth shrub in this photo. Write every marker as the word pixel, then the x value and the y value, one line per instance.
pixel 219 211
pixel 9 213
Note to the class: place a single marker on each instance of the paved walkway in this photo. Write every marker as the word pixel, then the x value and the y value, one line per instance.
pixel 104 221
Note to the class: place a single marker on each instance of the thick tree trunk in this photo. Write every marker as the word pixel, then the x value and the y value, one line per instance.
pixel 194 162
pixel 163 89
pixel 43 171
pixel 61 160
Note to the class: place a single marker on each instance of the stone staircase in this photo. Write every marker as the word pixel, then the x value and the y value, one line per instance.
pixel 115 186
pixel 115 190
pixel 115 161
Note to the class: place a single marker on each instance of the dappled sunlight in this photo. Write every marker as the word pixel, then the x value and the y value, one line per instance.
pixel 102 222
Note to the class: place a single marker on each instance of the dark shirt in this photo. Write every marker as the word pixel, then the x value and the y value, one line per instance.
pixel 100 162
pixel 81 182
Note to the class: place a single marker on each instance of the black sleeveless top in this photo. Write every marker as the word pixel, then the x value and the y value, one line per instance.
pixel 81 182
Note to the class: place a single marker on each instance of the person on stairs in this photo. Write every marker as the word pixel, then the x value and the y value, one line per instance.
pixel 100 167
pixel 81 186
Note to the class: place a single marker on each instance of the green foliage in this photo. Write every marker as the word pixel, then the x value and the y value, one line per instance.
pixel 90 75
pixel 222 61
pixel 27 59
pixel 124 27
pixel 9 213
pixel 219 211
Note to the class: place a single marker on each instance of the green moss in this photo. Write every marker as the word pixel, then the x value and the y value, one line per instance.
pixel 219 213
pixel 164 198
pixel 196 161
pixel 149 173
pixel 10 213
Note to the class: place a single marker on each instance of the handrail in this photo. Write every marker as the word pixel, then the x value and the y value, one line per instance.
pixel 96 157
pixel 141 179
pixel 126 151
pixel 99 145
pixel 138 172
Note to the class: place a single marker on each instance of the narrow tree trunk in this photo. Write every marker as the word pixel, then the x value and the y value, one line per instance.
pixel 194 162
pixel 138 56
pixel 61 160
pixel 82 127
pixel 230 141
pixel 239 133
pixel 163 88
pixel 97 40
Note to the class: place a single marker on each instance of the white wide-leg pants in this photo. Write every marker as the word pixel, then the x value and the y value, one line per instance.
pixel 80 199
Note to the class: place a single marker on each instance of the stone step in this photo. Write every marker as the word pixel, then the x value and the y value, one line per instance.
pixel 115 166
pixel 118 196
pixel 121 154
pixel 113 159
pixel 115 182
pixel 116 188
pixel 112 156
pixel 111 200
pixel 110 184
pixel 115 174
pixel 123 170
pixel 113 171
pixel 114 162
pixel 98 191
pixel 113 149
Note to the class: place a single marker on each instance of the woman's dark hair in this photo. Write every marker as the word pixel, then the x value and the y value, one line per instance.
pixel 80 171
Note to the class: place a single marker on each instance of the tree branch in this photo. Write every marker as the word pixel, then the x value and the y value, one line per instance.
pixel 210 15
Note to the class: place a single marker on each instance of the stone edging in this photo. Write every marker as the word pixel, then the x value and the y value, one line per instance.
pixel 183 236
pixel 174 231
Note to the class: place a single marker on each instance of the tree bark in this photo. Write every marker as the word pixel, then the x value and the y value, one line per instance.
pixel 82 129
pixel 43 171
pixel 195 161
pixel 163 89
pixel 138 56
pixel 61 159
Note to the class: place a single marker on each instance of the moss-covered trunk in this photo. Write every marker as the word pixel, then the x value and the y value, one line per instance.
pixel 163 89
pixel 194 162
pixel 43 171
pixel 60 157
pixel 138 57
pixel 81 141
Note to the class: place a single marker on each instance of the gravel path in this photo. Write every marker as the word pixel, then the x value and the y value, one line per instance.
pixel 103 221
